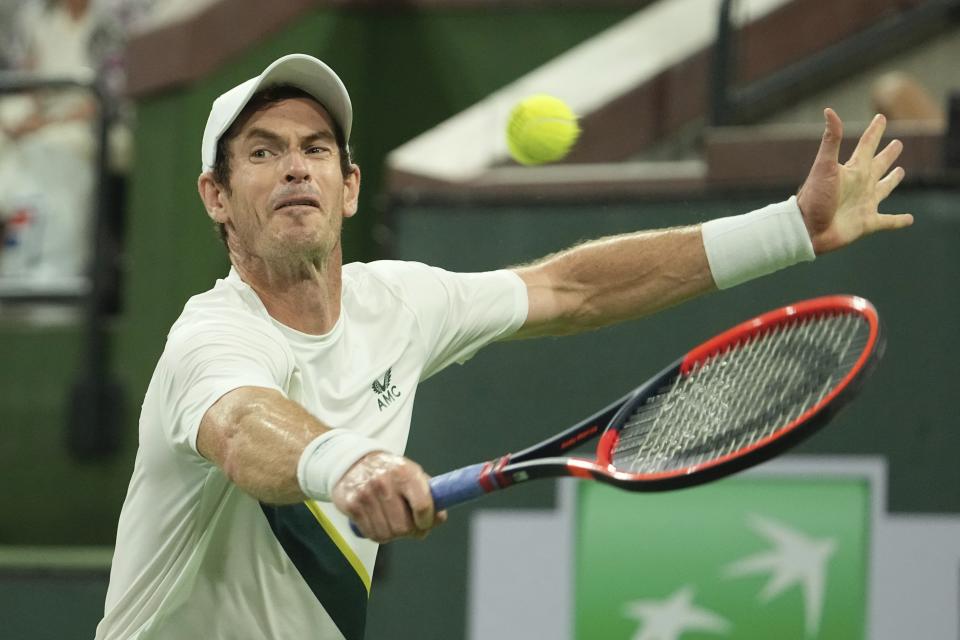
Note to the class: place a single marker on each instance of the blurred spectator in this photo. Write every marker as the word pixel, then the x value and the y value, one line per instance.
pixel 899 96
pixel 11 42
pixel 47 142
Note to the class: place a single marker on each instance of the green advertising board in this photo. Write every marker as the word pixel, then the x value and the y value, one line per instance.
pixel 746 557
pixel 802 547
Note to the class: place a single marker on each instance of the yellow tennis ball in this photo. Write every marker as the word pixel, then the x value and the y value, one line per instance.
pixel 541 129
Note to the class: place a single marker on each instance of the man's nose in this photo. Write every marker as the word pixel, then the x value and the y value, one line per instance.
pixel 297 168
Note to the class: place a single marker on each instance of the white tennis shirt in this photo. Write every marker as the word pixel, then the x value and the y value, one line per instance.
pixel 195 556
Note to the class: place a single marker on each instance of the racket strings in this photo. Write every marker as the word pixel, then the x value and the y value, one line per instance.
pixel 686 401
pixel 742 396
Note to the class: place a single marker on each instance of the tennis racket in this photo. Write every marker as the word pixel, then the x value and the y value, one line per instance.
pixel 738 399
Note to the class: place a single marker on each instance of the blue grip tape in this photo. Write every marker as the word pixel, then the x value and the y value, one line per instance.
pixel 456 487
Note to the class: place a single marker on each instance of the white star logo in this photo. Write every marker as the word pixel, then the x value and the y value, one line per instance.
pixel 794 559
pixel 667 619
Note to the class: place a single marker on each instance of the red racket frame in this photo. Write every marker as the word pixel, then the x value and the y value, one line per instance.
pixel 536 462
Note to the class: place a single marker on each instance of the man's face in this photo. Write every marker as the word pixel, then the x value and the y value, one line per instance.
pixel 288 196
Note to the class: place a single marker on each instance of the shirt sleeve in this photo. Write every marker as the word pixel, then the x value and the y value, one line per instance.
pixel 459 313
pixel 204 361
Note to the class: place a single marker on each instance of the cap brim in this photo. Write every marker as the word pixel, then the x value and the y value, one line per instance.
pixel 298 70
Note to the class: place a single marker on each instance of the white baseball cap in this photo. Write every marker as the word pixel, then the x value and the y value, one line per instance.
pixel 298 70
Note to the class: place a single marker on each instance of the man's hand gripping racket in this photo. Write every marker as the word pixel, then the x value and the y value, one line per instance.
pixel 738 399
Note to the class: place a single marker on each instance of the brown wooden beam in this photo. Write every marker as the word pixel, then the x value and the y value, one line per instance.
pixel 769 157
pixel 186 51
pixel 780 155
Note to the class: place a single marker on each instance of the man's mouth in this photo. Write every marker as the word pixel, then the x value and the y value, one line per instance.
pixel 299 201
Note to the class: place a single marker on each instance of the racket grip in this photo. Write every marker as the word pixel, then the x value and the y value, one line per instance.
pixel 457 486
pixel 451 488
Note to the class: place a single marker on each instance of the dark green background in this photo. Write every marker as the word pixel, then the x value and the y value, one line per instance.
pixel 407 71
pixel 513 394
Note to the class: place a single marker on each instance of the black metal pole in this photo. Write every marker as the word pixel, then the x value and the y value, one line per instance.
pixel 951 142
pixel 96 400
pixel 722 68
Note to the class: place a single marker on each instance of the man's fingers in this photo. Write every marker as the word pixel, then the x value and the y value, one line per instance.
pixel 890 222
pixel 418 496
pixel 889 183
pixel 362 524
pixel 421 506
pixel 885 159
pixel 398 516
pixel 377 524
pixel 439 518
pixel 832 135
pixel 870 140
pixel 828 154
pixel 422 510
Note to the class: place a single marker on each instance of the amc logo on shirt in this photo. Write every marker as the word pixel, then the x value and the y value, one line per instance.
pixel 386 392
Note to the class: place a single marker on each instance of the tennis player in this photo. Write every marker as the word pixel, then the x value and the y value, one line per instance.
pixel 280 407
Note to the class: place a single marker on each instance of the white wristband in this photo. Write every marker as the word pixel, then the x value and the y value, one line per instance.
pixel 741 248
pixel 327 457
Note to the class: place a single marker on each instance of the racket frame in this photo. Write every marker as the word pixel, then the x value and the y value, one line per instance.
pixel 544 459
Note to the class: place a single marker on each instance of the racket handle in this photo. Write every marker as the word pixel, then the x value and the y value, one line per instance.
pixel 457 486
pixel 451 488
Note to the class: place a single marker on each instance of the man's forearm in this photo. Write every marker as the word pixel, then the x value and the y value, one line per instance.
pixel 629 276
pixel 277 452
pixel 274 449
pixel 614 279
pixel 257 436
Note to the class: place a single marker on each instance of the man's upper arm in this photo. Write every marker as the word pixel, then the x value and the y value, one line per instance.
pixel 202 365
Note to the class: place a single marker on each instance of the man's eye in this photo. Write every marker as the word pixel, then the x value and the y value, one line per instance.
pixel 317 149
pixel 260 153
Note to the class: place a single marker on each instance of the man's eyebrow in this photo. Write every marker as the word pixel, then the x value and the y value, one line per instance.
pixel 258 133
pixel 324 136
pixel 263 134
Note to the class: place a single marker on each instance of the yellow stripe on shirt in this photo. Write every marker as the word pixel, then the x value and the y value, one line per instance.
pixel 342 544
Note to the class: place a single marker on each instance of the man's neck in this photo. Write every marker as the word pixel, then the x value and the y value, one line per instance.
pixel 303 296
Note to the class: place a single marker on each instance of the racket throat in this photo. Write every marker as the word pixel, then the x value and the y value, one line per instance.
pixel 608 442
pixel 492 476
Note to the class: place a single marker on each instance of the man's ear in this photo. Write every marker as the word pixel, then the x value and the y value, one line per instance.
pixel 351 191
pixel 213 196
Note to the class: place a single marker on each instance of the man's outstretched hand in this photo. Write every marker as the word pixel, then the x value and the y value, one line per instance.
pixel 839 202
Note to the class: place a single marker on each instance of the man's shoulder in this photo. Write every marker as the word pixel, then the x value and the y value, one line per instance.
pixel 226 299
pixel 384 269
pixel 394 275
pixel 386 282
pixel 224 309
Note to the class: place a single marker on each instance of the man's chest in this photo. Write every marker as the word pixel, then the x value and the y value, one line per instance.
pixel 365 381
